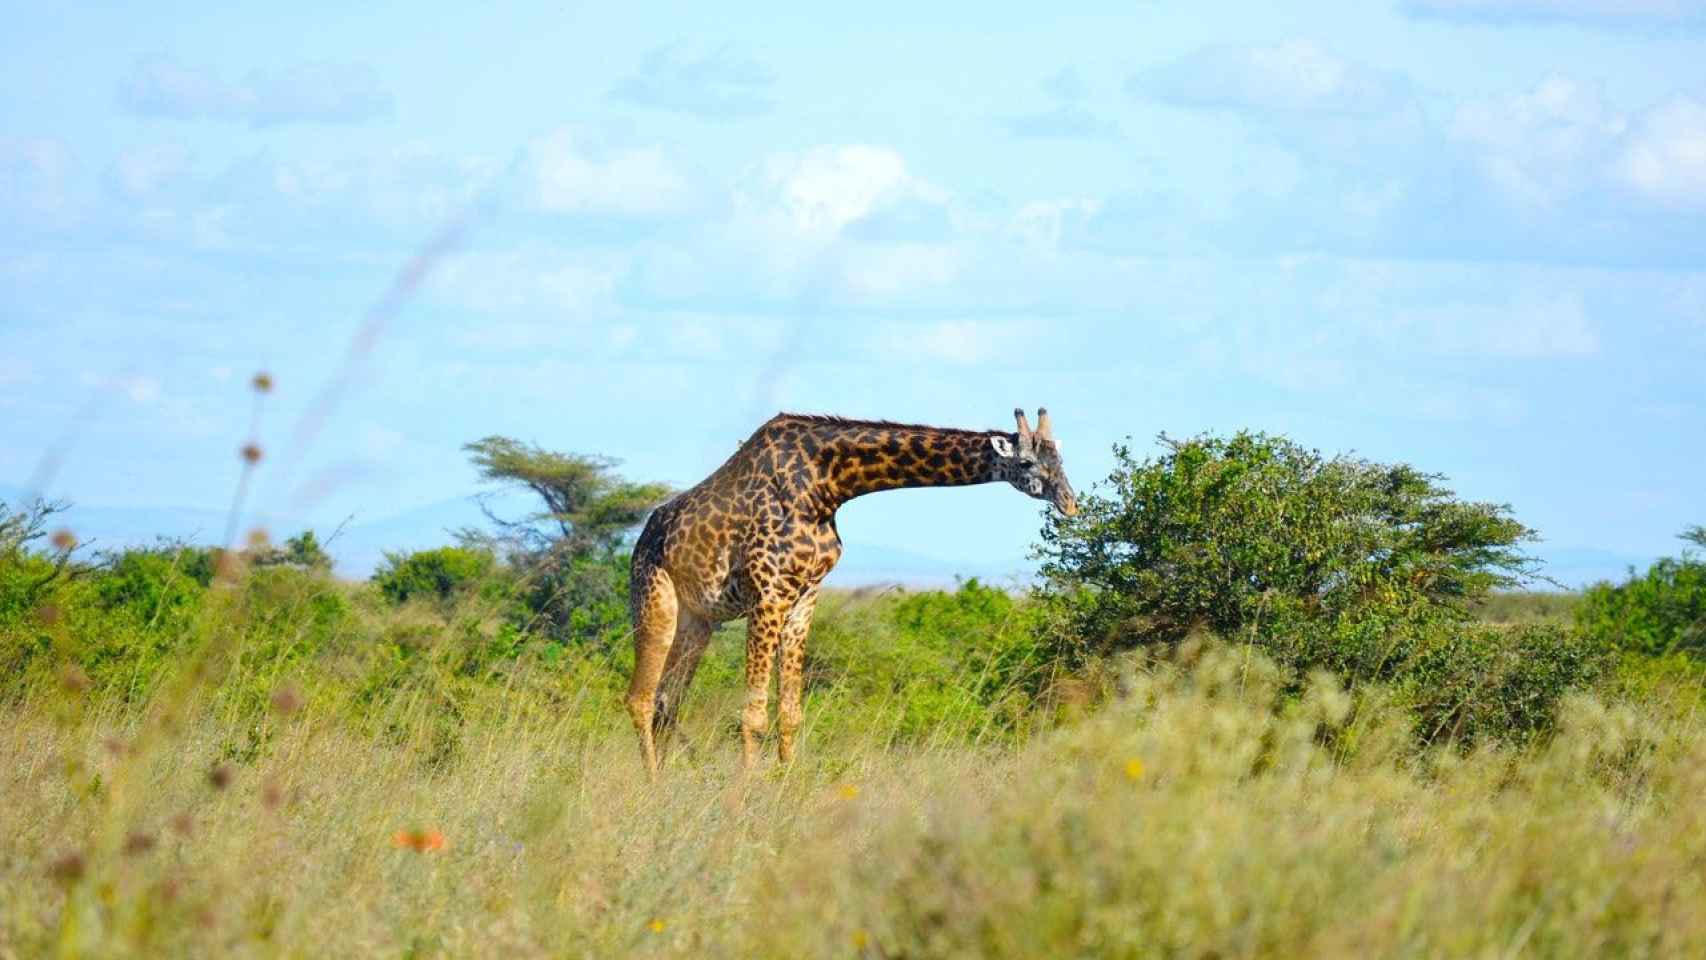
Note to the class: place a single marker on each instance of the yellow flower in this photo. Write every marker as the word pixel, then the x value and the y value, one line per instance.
pixel 1134 769
pixel 861 939
pixel 656 926
pixel 849 791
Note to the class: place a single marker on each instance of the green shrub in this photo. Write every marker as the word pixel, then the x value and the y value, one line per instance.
pixel 955 664
pixel 1469 683
pixel 1660 612
pixel 1225 534
pixel 439 574
pixel 159 586
pixel 576 598
pixel 1372 571
pixel 302 550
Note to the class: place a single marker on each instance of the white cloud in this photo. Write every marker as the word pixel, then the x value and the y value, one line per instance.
pixel 560 281
pixel 1314 102
pixel 1529 327
pixel 1041 224
pixel 1610 12
pixel 1068 118
pixel 874 272
pixel 307 92
pixel 1544 145
pixel 1665 156
pixel 567 174
pixel 832 224
pixel 141 390
pixel 142 172
pixel 1298 76
pixel 826 188
pixel 37 181
pixel 715 85
pixel 960 342
pixel 1559 140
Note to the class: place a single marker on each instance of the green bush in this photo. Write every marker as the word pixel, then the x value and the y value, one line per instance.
pixel 303 550
pixel 1467 683
pixel 1369 570
pixel 576 598
pixel 965 663
pixel 159 586
pixel 1658 613
pixel 438 574
pixel 1226 534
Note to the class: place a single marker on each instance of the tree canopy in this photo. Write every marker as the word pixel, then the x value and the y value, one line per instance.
pixel 588 507
pixel 1221 533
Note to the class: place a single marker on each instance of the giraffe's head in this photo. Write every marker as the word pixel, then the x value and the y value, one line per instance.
pixel 1031 463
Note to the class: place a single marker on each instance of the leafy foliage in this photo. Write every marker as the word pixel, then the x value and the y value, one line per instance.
pixel 439 574
pixel 303 551
pixel 1467 682
pixel 1369 570
pixel 162 585
pixel 1226 534
pixel 1658 613
pixel 570 569
pixel 587 506
pixel 577 598
pixel 960 663
pixel 29 574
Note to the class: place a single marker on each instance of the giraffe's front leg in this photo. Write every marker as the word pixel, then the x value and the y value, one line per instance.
pixel 793 662
pixel 763 636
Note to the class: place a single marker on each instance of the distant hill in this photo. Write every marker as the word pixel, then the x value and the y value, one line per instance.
pixel 363 542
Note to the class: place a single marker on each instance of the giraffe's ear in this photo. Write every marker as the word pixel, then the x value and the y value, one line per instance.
pixel 1003 446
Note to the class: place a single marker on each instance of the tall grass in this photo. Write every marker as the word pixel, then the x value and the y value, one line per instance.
pixel 1200 812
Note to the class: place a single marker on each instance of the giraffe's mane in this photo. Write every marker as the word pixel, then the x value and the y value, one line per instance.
pixel 834 421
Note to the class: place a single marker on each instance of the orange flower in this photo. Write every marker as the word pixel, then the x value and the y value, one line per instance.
pixel 420 841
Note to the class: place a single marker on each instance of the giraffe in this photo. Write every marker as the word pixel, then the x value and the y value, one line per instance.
pixel 756 538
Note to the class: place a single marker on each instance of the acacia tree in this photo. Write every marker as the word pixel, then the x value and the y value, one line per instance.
pixel 569 554
pixel 1228 533
pixel 27 574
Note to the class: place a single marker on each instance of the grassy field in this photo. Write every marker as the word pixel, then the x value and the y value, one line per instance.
pixel 1185 806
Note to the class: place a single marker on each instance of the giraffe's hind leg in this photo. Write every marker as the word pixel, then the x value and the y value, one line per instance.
pixel 654 610
pixel 692 636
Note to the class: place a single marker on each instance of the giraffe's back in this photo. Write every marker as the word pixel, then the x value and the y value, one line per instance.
pixel 740 528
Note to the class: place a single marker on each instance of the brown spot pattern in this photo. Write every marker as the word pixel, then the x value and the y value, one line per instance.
pixel 755 539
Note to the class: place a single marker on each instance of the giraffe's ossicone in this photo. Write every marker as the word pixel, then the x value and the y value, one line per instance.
pixel 756 538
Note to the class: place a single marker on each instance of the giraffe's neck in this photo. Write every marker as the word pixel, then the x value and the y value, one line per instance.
pixel 856 459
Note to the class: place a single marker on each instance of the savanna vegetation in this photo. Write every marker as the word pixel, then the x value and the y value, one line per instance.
pixel 1262 703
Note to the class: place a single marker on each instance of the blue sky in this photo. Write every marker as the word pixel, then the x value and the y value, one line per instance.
pixel 1468 234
